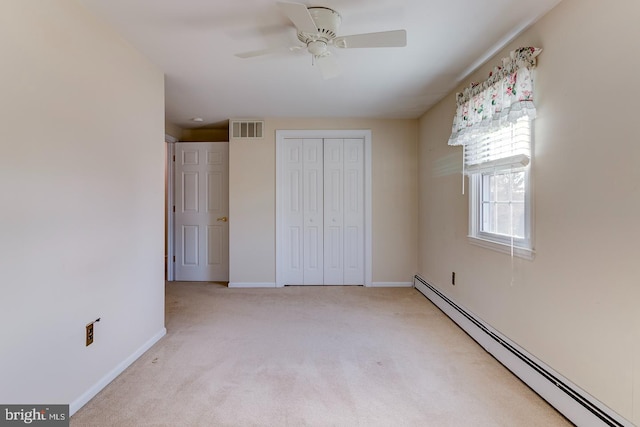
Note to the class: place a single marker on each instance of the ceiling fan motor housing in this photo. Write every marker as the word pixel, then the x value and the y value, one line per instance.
pixel 327 22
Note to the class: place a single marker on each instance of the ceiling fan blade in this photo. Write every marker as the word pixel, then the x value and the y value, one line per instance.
pixel 396 38
pixel 300 16
pixel 262 52
pixel 328 66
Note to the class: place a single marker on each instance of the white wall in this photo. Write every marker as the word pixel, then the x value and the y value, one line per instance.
pixel 81 223
pixel 252 173
pixel 575 306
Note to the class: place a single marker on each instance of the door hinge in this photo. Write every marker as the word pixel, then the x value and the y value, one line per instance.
pixel 174 258
pixel 174 157
pixel 174 208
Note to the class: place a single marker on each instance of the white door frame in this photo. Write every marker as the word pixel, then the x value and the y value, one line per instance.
pixel 365 134
pixel 171 143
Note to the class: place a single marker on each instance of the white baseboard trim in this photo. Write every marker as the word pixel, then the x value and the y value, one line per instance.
pixel 97 387
pixel 573 402
pixel 252 285
pixel 392 285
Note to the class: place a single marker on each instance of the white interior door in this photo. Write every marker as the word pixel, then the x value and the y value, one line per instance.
pixel 201 230
pixel 292 212
pixel 312 166
pixel 303 211
pixel 344 211
pixel 334 211
pixel 322 208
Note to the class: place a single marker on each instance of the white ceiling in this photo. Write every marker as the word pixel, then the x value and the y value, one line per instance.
pixel 194 42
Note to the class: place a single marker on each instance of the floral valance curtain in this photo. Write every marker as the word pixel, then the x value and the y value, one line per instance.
pixel 502 99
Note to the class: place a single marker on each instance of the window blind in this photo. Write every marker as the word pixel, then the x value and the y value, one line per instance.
pixel 508 147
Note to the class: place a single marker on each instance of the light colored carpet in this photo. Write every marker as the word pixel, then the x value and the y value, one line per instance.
pixel 313 356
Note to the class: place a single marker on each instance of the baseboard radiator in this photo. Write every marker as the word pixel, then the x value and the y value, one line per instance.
pixel 575 404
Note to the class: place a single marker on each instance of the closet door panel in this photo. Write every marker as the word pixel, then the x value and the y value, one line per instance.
pixel 353 212
pixel 313 205
pixel 293 265
pixel 334 211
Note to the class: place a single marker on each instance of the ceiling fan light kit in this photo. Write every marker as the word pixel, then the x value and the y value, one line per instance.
pixel 318 29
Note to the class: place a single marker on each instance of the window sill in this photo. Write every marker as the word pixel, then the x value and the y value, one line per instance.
pixel 520 252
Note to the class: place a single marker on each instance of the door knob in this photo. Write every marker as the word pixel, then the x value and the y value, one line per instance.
pixel 223 219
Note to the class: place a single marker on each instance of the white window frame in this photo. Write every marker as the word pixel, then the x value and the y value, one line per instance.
pixel 520 247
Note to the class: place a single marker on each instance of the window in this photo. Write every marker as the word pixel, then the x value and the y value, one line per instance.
pixel 493 124
pixel 500 201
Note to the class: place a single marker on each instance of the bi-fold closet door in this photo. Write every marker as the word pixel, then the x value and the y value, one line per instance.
pixel 323 215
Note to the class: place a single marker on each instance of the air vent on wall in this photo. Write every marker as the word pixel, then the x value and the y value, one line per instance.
pixel 250 129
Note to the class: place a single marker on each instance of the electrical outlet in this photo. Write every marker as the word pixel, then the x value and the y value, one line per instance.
pixel 453 278
pixel 89 334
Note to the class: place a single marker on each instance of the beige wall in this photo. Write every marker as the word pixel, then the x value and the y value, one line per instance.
pixel 576 305
pixel 205 135
pixel 81 223
pixel 173 130
pixel 252 198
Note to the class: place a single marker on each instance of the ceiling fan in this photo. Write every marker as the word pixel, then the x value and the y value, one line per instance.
pixel 318 29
